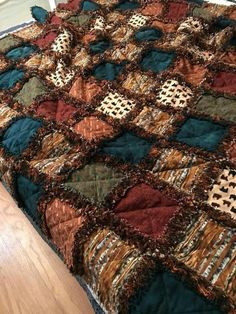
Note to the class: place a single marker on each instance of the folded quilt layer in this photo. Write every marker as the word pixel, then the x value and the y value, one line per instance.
pixel 117 139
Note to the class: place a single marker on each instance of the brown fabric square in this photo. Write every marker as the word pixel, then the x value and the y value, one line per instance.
pixel 164 27
pixel 224 82
pixel 84 90
pixel 228 57
pixel 63 221
pixel 56 110
pixel 153 9
pixel 146 209
pixel 93 128
pixel 177 11
pixel 193 73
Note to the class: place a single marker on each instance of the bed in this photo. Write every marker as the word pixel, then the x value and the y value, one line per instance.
pixel 117 140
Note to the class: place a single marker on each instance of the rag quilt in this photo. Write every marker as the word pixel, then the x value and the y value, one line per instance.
pixel 117 139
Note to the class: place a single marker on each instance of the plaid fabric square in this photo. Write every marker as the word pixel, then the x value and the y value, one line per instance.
pixel 139 83
pixel 138 20
pixel 116 105
pixel 223 193
pixel 129 52
pixel 181 170
pixel 6 115
pixel 172 93
pixel 209 249
pixel 154 120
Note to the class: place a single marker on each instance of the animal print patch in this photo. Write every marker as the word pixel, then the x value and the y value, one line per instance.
pixel 174 94
pixel 62 44
pixel 62 74
pixel 223 193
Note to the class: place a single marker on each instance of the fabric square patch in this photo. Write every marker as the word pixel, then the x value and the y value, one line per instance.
pixel 176 11
pixel 201 133
pixel 94 181
pixel 154 120
pixel 157 60
pixel 107 71
pixel 128 52
pixel 82 58
pixel 179 169
pixel 128 147
pixel 28 194
pixel 116 105
pixel 146 209
pixel 191 24
pixel 30 32
pixel 62 43
pixel 18 135
pixel 62 74
pixel 222 107
pixel 105 253
pixel 138 20
pixel 6 115
pixel 63 222
pixel 10 78
pixel 46 40
pixel 224 82
pixel 209 249
pixel 92 128
pixel 84 90
pixel 40 62
pixel 223 193
pixel 8 42
pixel 175 94
pixel 30 90
pixel 139 83
pixel 193 73
pixel 148 34
pixel 20 52
pixel 123 33
pixel 152 9
pixel 56 110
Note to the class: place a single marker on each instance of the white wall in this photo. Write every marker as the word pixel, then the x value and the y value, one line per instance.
pixel 15 12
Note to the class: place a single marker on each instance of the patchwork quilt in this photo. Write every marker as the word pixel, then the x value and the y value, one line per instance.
pixel 117 139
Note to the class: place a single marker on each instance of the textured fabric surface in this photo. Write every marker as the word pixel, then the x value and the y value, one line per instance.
pixel 118 138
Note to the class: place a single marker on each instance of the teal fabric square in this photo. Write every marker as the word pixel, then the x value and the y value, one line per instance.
pixel 148 34
pixel 127 5
pixel 164 293
pixel 128 147
pixel 157 60
pixel 100 46
pixel 29 194
pixel 20 52
pixel 107 71
pixel 201 133
pixel 89 6
pixel 39 14
pixel 9 78
pixel 17 137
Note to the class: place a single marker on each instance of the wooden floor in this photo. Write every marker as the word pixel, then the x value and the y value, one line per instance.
pixel 33 280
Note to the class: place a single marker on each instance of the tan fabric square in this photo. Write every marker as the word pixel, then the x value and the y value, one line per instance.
pixel 30 32
pixel 92 128
pixel 6 114
pixel 193 73
pixel 84 90
pixel 40 62
pixel 137 20
pixel 154 9
pixel 116 105
pixel 122 33
pixel 3 63
pixel 223 193
pixel 129 52
pixel 172 93
pixel 138 83
pixel 154 120
pixel 82 58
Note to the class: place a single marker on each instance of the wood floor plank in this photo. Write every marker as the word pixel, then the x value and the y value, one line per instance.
pixel 33 278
